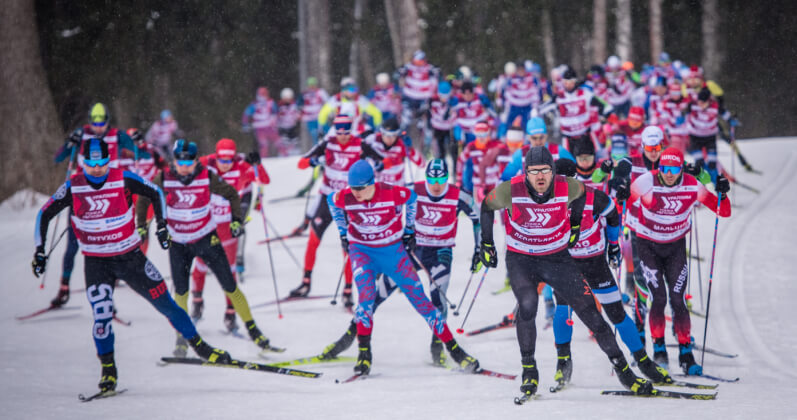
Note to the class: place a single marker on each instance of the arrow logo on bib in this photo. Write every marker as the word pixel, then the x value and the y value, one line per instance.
pixel 673 205
pixel 541 218
pixel 187 198
pixel 98 205
pixel 432 215
pixel 370 219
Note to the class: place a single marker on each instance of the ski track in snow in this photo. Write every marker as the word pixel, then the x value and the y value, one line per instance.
pixel 46 362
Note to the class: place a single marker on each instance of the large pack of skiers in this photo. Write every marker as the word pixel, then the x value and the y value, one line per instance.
pixel 589 174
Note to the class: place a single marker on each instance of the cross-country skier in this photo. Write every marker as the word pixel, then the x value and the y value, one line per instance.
pixel 478 182
pixel 396 147
pixel 162 132
pixel 417 80
pixel 385 96
pixel 663 201
pixel 310 103
pixel 102 217
pixel 542 225
pixel 368 216
pixel 261 116
pixel 188 186
pixel 441 119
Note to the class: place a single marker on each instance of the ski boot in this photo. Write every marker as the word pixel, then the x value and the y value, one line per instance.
pixel 657 374
pixel 304 289
pixel 531 376
pixel 208 352
pixel 333 350
pixel 660 352
pixel 229 320
pixel 629 379
pixel 346 297
pixel 108 376
pixel 260 340
pixel 687 360
pixel 301 228
pixel 564 365
pixel 199 306
pixel 62 297
pixel 438 355
pixel 363 366
pixel 180 347
pixel 465 361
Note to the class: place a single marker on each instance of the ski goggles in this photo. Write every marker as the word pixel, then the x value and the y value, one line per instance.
pixel 656 148
pixel 672 170
pixel 388 133
pixel 437 180
pixel 185 162
pixel 360 188
pixel 93 163
pixel 99 124
pixel 224 161
pixel 538 171
pixel 343 128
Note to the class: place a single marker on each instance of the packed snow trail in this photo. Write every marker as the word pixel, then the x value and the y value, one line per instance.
pixel 47 361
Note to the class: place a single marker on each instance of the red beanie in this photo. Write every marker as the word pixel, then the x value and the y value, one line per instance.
pixel 636 113
pixel 671 156
pixel 225 148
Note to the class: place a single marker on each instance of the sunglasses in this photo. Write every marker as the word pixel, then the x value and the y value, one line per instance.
pixel 225 161
pixel 437 180
pixel 390 133
pixel 536 137
pixel 185 162
pixel 672 170
pixel 359 188
pixel 656 148
pixel 343 128
pixel 99 124
pixel 93 163
pixel 538 171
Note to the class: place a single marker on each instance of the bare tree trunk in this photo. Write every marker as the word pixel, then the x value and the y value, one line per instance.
pixel 318 40
pixel 28 119
pixel 599 31
pixel 395 34
pixel 547 36
pixel 354 50
pixel 405 35
pixel 301 6
pixel 712 56
pixel 623 14
pixel 656 38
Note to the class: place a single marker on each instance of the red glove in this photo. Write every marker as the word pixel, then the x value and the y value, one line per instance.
pixel 613 119
pixel 304 163
pixel 387 163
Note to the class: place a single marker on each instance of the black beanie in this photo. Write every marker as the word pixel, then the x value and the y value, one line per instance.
pixel 539 155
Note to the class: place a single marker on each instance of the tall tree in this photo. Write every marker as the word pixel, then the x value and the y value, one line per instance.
pixel 356 42
pixel 405 34
pixel 318 42
pixel 28 119
pixel 712 56
pixel 599 31
pixel 656 37
pixel 547 36
pixel 623 17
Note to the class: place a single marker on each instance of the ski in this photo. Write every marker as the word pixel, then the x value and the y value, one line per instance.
pixel 122 321
pixel 279 238
pixel 683 384
pixel 525 398
pixel 234 333
pixel 709 350
pixel 45 310
pixel 290 299
pixel 271 349
pixel 314 360
pixel 558 387
pixel 494 374
pixel 505 323
pixel 712 377
pixel 240 364
pixel 355 377
pixel 99 395
pixel 502 290
pixel 696 313
pixel 659 393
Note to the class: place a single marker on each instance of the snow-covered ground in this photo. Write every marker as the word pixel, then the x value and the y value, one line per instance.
pixel 45 362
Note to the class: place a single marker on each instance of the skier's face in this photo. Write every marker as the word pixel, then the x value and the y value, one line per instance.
pixel 585 161
pixel 653 155
pixel 669 179
pixel 185 170
pixel 389 139
pixel 224 167
pixel 96 171
pixel 570 84
pixel 540 177
pixel 660 90
pixel 364 194
pixel 537 140
pixel 467 95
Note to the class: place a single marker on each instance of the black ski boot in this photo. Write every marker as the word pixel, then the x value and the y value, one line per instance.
pixel 657 374
pixel 660 352
pixel 438 355
pixel 465 361
pixel 229 320
pixel 346 297
pixel 208 352
pixel 629 379
pixel 564 365
pixel 687 360
pixel 531 376
pixel 62 297
pixel 108 377
pixel 180 347
pixel 304 289
pixel 363 366
pixel 260 340
pixel 199 306
pixel 333 350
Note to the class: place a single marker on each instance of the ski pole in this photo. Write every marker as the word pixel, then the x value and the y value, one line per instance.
pixel 281 240
pixel 462 299
pixel 342 270
pixel 689 258
pixel 711 277
pixel 697 247
pixel 58 218
pixel 61 236
pixel 461 328
pixel 268 243
pixel 418 264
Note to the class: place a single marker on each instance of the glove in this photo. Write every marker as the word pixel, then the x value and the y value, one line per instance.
pixel 623 190
pixel 722 186
pixel 444 256
pixel 253 158
pixel 406 139
pixel 475 262
pixel 565 167
pixel 344 242
pixel 164 239
pixel 409 240
pixel 143 232
pixel 734 122
pixel 305 163
pixel 386 164
pixel 575 233
pixel 679 120
pixel 136 136
pixel 613 119
pixel 246 128
pixel 39 262
pixel 693 169
pixel 615 256
pixel 488 255
pixel 76 137
pixel 607 166
pixel 236 228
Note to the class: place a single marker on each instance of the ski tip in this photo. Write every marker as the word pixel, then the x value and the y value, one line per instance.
pixel 280 316
pixel 460 331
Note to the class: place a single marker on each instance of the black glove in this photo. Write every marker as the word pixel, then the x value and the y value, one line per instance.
pixel 475 262
pixel 76 137
pixel 39 262
pixel 344 242
pixel 575 234
pixel 253 158
pixel 164 239
pixel 409 240
pixel 615 256
pixel 135 135
pixel 143 232
pixel 623 189
pixel 722 187
pixel 607 166
pixel 693 169
pixel 236 228
pixel 444 256
pixel 565 167
pixel 488 255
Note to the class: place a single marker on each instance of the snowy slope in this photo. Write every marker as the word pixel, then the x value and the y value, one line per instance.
pixel 46 362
